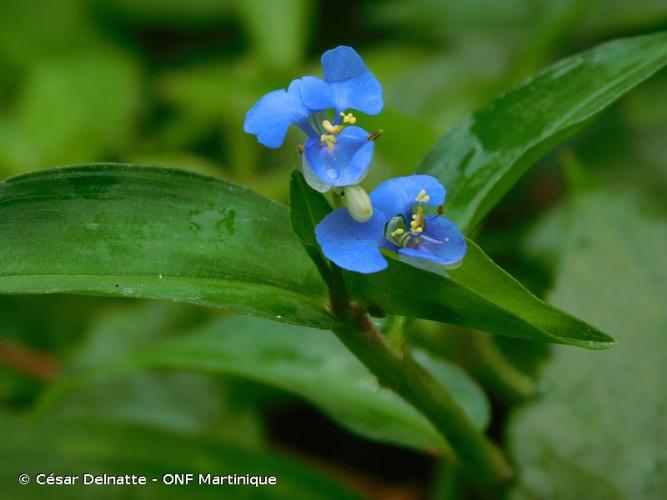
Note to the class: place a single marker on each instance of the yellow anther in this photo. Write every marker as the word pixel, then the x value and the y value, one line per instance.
pixel 348 118
pixel 422 197
pixel 418 223
pixel 328 139
pixel 332 129
pixel 397 232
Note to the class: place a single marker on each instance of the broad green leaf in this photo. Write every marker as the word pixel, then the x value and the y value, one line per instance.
pixel 165 234
pixel 498 302
pixel 481 158
pixel 76 446
pixel 599 430
pixel 314 365
pixel 479 295
pixel 155 233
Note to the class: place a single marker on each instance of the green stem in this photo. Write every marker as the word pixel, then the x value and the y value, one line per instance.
pixel 395 331
pixel 401 373
pixel 447 483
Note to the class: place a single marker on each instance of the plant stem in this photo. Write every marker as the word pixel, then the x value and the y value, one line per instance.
pixel 398 371
pixel 395 332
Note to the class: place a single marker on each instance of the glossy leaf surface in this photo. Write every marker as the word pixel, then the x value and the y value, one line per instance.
pixel 480 159
pixel 166 234
pixel 480 295
pixel 155 233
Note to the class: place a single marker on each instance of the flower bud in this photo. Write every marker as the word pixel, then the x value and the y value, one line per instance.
pixel 358 203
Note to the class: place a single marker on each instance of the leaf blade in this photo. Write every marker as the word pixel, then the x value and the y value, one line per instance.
pixel 307 209
pixel 155 233
pixel 279 355
pixel 163 234
pixel 479 295
pixel 481 158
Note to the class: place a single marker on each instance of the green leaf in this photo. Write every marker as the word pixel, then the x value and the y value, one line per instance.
pixel 479 295
pixel 155 233
pixel 76 446
pixel 187 402
pixel 307 209
pixel 481 158
pixel 599 429
pixel 316 366
pixel 165 234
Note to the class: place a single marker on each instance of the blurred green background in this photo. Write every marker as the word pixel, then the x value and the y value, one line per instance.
pixel 167 82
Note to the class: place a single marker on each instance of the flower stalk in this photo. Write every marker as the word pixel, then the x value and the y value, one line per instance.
pixel 397 370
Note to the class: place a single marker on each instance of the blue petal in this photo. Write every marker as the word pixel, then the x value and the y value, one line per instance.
pixel 316 94
pixel 272 115
pixel 397 196
pixel 311 178
pixel 442 243
pixel 348 84
pixel 352 245
pixel 346 163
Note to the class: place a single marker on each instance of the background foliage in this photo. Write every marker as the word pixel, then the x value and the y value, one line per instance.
pixel 119 385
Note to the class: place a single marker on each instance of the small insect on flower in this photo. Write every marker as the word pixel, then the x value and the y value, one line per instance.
pixel 406 219
pixel 336 152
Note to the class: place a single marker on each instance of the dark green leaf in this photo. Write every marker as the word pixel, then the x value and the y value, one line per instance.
pixel 166 234
pixel 480 159
pixel 307 208
pixel 479 295
pixel 155 233
pixel 599 430
pixel 315 366
pixel 80 446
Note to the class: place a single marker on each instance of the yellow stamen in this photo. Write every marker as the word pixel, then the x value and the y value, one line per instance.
pixel 418 223
pixel 422 197
pixel 348 118
pixel 328 139
pixel 332 129
pixel 397 232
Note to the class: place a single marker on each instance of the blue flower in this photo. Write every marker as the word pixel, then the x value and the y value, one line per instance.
pixel 336 153
pixel 406 220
